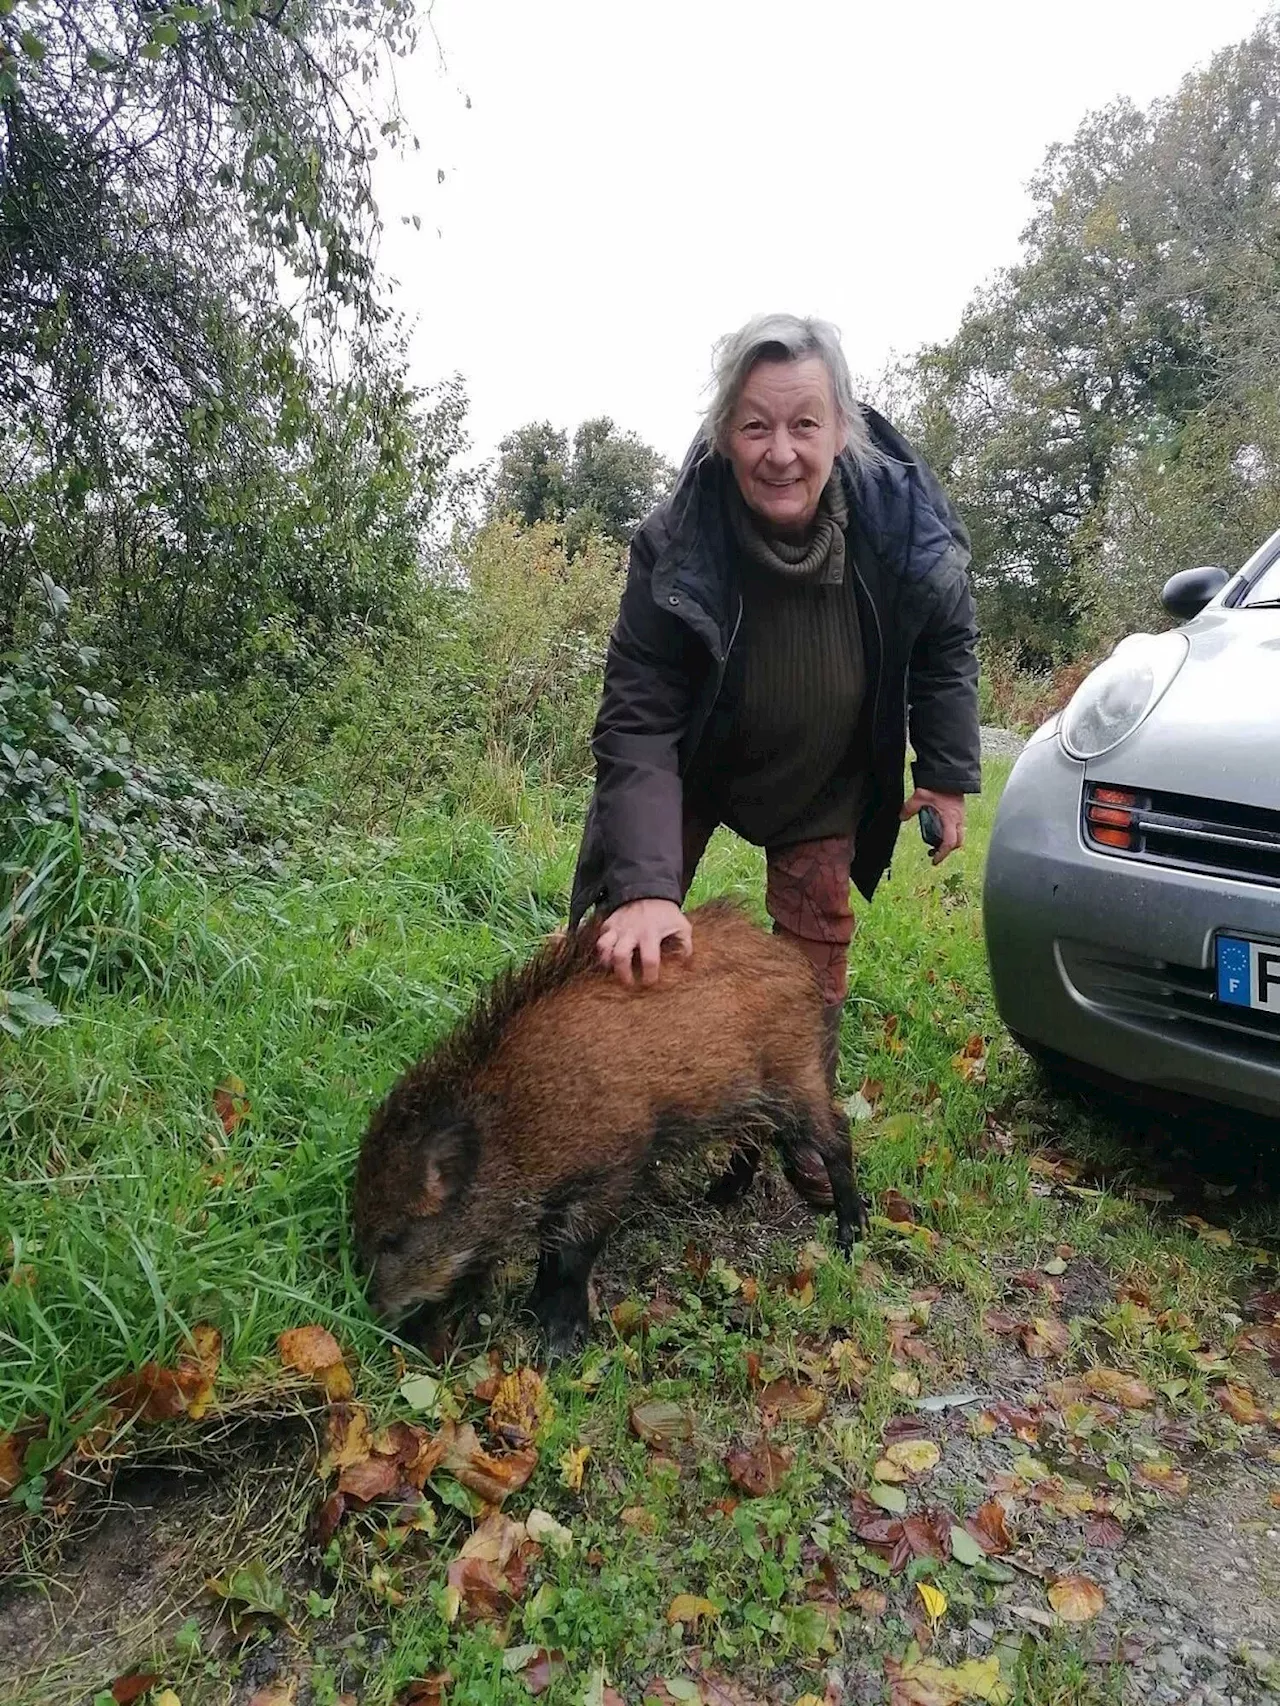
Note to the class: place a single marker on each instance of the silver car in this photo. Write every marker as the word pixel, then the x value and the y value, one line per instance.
pixel 1132 894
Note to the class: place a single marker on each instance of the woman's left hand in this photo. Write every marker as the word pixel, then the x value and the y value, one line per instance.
pixel 950 808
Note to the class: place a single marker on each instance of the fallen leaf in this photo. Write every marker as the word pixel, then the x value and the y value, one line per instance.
pixel 315 1352
pixel 546 1531
pixel 542 1670
pixel 989 1528
pixel 572 1465
pixel 934 1601
pixel 661 1421
pixel 347 1438
pixel 1116 1387
pixel 230 1103
pixel 426 1690
pixel 521 1405
pixel 1273 1498
pixel 489 1573
pixel 896 1208
pixel 928 1534
pixel 324 1524
pixel 785 1401
pixel 915 1456
pixel 848 1364
pixel 1076 1599
pixel 1239 1403
pixel 278 1693
pixel 1045 1337
pixel 487 1474
pixel 904 1383
pixel 1005 1415
pixel 637 1517
pixel 759 1469
pixel 927 1682
pixel 1210 1234
pixel 166 1697
pixel 888 1498
pixel 971 1062
pixel 421 1392
pixel 1164 1477
pixel 126 1689
pixel 1001 1321
pixel 718 1690
pixel 688 1608
pixel 11 1455
pixel 1104 1532
pixel 155 1393
pixel 870 1602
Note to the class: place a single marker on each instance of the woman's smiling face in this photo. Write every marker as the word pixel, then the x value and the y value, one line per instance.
pixel 784 436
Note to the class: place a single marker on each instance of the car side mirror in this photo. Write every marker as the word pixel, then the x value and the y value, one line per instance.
pixel 1187 593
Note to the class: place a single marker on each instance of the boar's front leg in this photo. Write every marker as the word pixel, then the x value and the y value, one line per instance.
pixel 559 1294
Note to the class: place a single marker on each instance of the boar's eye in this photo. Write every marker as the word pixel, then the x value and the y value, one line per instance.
pixel 391 1243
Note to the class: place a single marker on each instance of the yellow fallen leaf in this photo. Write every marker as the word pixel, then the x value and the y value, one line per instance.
pixel 1274 1497
pixel 916 1456
pixel 939 1685
pixel 887 1470
pixel 572 1464
pixel 167 1697
pixel 544 1528
pixel 808 1700
pixel 904 1383
pixel 688 1608
pixel 452 1604
pixel 1076 1599
pixel 934 1601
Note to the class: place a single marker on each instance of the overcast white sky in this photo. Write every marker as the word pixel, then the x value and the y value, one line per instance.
pixel 631 181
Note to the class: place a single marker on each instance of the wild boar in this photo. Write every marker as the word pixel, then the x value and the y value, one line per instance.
pixel 543 1109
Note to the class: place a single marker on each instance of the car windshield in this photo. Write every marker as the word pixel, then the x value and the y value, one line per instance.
pixel 1266 589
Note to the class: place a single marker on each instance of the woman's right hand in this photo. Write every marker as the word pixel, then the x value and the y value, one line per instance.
pixel 641 927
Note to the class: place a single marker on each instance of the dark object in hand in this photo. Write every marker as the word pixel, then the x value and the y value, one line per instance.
pixel 931 831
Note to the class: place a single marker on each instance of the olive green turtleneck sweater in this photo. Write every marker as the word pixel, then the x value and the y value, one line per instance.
pixel 787 753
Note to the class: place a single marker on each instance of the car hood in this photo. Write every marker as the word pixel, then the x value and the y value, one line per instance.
pixel 1216 732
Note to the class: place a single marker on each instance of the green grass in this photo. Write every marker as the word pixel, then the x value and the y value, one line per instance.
pixel 132 1215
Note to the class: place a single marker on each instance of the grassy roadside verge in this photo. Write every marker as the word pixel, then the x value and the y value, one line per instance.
pixel 1014 1254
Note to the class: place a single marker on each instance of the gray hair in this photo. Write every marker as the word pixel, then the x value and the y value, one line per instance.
pixel 785 337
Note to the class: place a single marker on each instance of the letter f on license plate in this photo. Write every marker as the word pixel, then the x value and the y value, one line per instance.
pixel 1249 973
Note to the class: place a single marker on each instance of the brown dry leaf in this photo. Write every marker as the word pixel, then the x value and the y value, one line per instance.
pixel 750 1291
pixel 785 1401
pixel 521 1405
pixel 848 1364
pixel 719 1690
pixel 1019 1421
pixel 347 1438
pixel 870 1602
pixel 1273 1498
pixel 1165 1478
pixel 1001 1321
pixel 661 1421
pixel 1045 1337
pixel 324 1523
pixel 373 1477
pixel 928 1534
pixel 895 1207
pixel 542 1670
pixel 892 1041
pixel 637 1517
pixel 11 1455
pixel 1076 1599
pixel 971 1062
pixel 689 1608
pixel 490 1571
pixel 426 1690
pixel 230 1103
pixel 1239 1403
pixel 315 1352
pixel 483 1472
pixel 1104 1532
pixel 988 1527
pixel 1050 1164
pixel 758 1469
pixel 904 1383
pixel 281 1692
pixel 1113 1386
pixel 871 1090
pixel 126 1689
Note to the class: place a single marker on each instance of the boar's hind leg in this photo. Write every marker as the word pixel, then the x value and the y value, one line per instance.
pixel 738 1176
pixel 832 1138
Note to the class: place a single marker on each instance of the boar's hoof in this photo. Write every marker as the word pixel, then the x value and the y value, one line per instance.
pixel 566 1336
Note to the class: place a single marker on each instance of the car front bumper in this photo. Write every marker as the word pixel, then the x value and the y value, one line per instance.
pixel 1110 961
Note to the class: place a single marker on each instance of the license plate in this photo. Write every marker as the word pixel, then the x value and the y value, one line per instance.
pixel 1249 973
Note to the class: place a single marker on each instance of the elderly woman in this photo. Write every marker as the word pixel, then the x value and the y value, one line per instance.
pixel 798 602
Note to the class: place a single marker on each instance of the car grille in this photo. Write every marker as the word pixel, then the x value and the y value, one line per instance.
pixel 1178 997
pixel 1210 836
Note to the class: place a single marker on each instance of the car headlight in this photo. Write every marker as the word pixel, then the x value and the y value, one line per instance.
pixel 1111 703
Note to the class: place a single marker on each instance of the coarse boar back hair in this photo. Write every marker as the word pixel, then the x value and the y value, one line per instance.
pixel 541 1110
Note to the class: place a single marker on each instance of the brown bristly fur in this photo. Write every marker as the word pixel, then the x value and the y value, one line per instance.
pixel 539 1112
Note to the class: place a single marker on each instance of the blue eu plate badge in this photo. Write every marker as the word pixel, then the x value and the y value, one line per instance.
pixel 1249 974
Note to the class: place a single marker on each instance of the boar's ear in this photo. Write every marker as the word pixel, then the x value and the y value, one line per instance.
pixel 448 1166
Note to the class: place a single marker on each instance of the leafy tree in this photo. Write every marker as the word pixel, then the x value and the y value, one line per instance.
pixel 189 454
pixel 1123 363
pixel 606 486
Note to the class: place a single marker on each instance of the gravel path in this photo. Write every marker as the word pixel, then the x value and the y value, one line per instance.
pixel 1000 743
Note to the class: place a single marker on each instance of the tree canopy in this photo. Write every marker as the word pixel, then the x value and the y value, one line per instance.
pixel 1106 412
pixel 605 485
